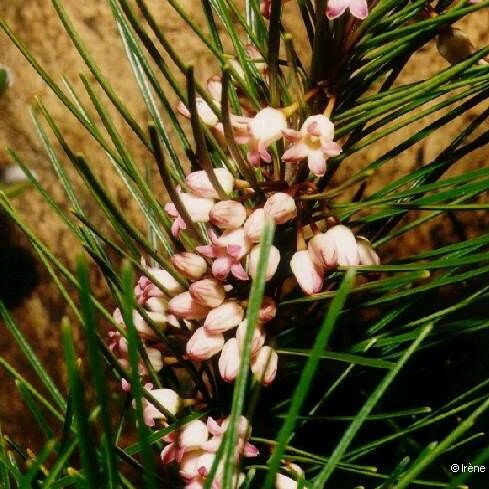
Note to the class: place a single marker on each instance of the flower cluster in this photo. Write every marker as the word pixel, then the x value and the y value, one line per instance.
pixel 194 449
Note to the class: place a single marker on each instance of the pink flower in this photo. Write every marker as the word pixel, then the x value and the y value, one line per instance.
pixel 146 289
pixel 155 358
pixel 268 310
pixel 224 317
pixel 229 360
pixel 206 114
pixel 184 306
pixel 264 365
pixel 336 8
pixel 178 223
pixel 337 246
pixel 156 308
pixel 266 6
pixel 308 275
pixel 280 207
pixel 257 341
pixel 190 265
pixel 315 142
pixel 208 292
pixel 144 331
pixel 199 183
pixel 254 225
pixel 366 253
pixel 204 345
pixel 273 261
pixel 228 214
pixel 227 251
pixel 168 398
pixel 263 130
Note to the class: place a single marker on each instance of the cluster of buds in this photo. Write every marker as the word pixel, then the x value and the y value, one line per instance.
pixel 194 448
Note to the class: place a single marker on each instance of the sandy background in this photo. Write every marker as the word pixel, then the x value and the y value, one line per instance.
pixel 36 23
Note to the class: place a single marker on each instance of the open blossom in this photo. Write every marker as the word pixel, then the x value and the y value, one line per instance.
pixel 203 345
pixel 273 261
pixel 336 8
pixel 280 207
pixel 228 214
pixel 227 251
pixel 264 365
pixel 315 142
pixel 229 360
pixel 224 317
pixel 309 276
pixel 168 398
pixel 263 130
pixel 199 184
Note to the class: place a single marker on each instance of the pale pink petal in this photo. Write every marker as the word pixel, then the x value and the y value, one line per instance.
pixel 250 450
pixel 359 8
pixel 336 8
pixel 214 427
pixel 207 250
pixel 331 149
pixel 292 135
pixel 253 158
pixel 239 272
pixel 295 153
pixel 264 154
pixel 316 162
pixel 221 267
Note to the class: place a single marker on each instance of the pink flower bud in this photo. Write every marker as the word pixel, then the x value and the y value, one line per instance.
pixel 229 360
pixel 167 280
pixel 198 208
pixel 206 114
pixel 168 398
pixel 204 345
pixel 264 365
pixel 273 261
pixel 228 214
pixel 192 435
pixel 280 207
pixel 155 358
pixel 366 252
pixel 254 225
pixel 198 182
pixel 308 275
pixel 284 482
pixel 257 341
pixel 208 292
pixel 336 8
pixel 224 317
pixel 190 265
pixel 144 331
pixel 268 310
pixel 344 245
pixel 185 307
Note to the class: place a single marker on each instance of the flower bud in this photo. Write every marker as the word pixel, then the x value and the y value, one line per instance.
pixel 168 398
pixel 257 341
pixel 268 310
pixel 308 275
pixel 228 214
pixel 192 435
pixel 229 360
pixel 454 45
pixel 155 358
pixel 264 365
pixel 280 207
pixel 285 482
pixel 224 317
pixel 204 345
pixel 337 246
pixel 272 264
pixel 254 225
pixel 199 183
pixel 206 114
pixel 171 285
pixel 208 292
pixel 190 265
pixel 198 208
pixel 185 307
pixel 366 252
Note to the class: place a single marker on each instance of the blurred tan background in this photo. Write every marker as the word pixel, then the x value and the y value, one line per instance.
pixel 36 23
